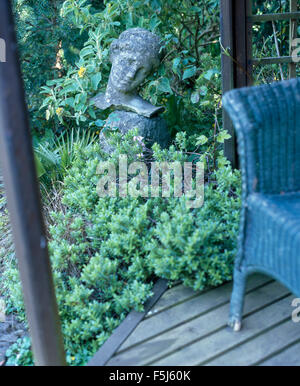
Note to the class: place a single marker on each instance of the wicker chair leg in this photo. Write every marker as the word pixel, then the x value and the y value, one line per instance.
pixel 237 300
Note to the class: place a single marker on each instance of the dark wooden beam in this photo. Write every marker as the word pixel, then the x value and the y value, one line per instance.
pixel 243 43
pixel 23 198
pixel 274 17
pixel 236 41
pixel 227 74
pixel 293 35
pixel 272 60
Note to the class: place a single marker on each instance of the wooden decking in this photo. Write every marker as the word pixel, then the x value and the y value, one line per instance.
pixel 190 329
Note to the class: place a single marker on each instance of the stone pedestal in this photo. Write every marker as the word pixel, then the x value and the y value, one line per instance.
pixel 151 129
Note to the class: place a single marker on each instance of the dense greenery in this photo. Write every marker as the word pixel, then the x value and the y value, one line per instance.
pixel 264 40
pixel 75 65
pixel 107 252
pixel 47 44
pixel 64 48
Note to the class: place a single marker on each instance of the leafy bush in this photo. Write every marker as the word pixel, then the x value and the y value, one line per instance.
pixel 198 246
pixel 188 78
pixel 64 48
pixel 55 154
pixel 19 353
pixel 48 43
pixel 106 252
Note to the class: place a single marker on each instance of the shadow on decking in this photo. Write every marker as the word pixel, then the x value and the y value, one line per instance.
pixel 190 329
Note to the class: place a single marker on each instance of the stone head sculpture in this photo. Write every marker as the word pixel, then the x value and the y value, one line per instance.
pixel 134 56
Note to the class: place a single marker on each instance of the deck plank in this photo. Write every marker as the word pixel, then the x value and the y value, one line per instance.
pixel 209 323
pixel 204 350
pixel 173 296
pixel 180 313
pixel 261 347
pixel 288 357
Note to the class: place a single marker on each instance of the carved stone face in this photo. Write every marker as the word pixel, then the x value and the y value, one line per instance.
pixel 133 56
pixel 129 70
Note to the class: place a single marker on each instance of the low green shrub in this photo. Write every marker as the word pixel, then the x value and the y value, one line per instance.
pixel 198 246
pixel 107 252
pixel 20 353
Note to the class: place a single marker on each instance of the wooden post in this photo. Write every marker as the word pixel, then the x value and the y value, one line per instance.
pixel 293 35
pixel 24 205
pixel 243 42
pixel 227 74
pixel 249 42
pixel 236 40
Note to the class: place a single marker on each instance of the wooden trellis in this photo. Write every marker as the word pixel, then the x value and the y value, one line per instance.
pixel 237 22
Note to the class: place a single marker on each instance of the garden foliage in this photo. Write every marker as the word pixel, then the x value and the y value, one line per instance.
pixel 75 64
pixel 107 252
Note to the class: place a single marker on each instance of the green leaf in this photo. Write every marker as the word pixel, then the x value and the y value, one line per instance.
pixel 201 140
pixel 48 115
pixel 99 122
pixel 46 90
pixel 205 103
pixel 175 67
pixel 39 166
pixel 196 9
pixel 71 88
pixel 195 97
pixel 68 102
pixel 210 73
pixel 92 113
pixel 203 90
pixel 96 79
pixel 223 135
pixel 189 72
pixel 86 51
pixel 164 86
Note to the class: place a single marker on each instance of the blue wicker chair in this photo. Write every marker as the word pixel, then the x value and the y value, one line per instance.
pixel 267 124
